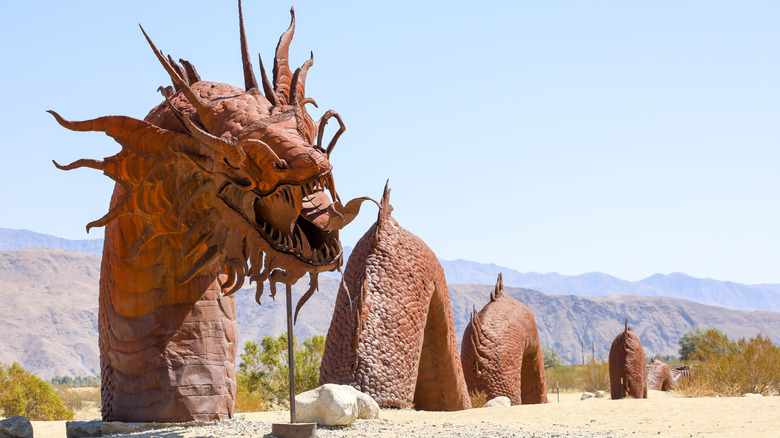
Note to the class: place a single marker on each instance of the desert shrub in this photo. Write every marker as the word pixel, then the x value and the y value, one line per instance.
pixel 695 341
pixel 551 357
pixel 262 377
pixel 76 398
pixel 566 376
pixel 730 369
pixel 478 398
pixel 22 393
pixel 594 375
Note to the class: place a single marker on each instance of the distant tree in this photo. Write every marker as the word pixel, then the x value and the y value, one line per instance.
pixel 22 393
pixel 697 341
pixel 263 370
pixel 78 381
pixel 551 357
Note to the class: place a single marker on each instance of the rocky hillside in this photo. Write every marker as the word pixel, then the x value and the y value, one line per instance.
pixel 23 239
pixel 594 284
pixel 49 323
pixel 49 317
pixel 571 324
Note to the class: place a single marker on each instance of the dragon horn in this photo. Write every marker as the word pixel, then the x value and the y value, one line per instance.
pixel 267 87
pixel 282 73
pixel 250 82
pixel 298 84
pixel 321 130
pixel 203 109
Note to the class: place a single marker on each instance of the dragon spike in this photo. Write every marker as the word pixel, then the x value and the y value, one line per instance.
pixel 205 260
pixel 192 74
pixel 250 82
pixel 298 84
pixel 268 89
pixel 147 235
pixel 84 162
pixel 499 289
pixel 384 212
pixel 324 121
pixel 313 286
pixel 203 109
pixel 282 73
pixel 119 210
pixel 180 71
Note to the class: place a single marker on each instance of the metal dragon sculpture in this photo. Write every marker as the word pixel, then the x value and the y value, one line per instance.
pixel 215 184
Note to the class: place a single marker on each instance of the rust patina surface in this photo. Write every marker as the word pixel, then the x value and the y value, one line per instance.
pixel 627 365
pixel 216 184
pixel 392 335
pixel 501 352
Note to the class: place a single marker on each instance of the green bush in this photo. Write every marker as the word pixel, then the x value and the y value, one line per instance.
pixel 263 374
pixel 696 341
pixel 551 358
pixel 22 393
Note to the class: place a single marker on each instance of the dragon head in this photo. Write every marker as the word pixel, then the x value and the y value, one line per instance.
pixel 239 179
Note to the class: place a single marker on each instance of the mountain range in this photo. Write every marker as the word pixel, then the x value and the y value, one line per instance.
pixel 50 300
pixel 594 284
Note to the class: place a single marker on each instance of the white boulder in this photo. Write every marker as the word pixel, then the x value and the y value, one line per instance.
pixel 498 401
pixel 334 405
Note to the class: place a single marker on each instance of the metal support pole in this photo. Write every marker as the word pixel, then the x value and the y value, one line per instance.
pixel 290 353
pixel 622 389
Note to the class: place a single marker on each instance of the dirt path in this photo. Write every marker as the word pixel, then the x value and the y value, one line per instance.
pixel 661 414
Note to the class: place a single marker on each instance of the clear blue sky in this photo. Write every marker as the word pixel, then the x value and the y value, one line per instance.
pixel 622 137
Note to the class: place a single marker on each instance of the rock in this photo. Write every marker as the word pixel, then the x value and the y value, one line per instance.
pixel 599 394
pixel 328 405
pixel 75 429
pixel 498 401
pixel 587 395
pixel 368 408
pixel 16 427
pixel 751 394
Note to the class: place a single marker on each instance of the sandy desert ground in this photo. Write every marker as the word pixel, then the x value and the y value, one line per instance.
pixel 661 414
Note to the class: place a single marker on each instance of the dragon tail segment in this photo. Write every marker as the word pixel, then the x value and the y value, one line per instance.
pixel 501 353
pixel 627 366
pixel 392 334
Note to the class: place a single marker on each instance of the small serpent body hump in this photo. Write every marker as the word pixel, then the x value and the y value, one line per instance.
pixel 501 352
pixel 627 366
pixel 392 334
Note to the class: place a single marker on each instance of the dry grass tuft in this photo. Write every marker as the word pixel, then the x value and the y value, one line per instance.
pixel 478 398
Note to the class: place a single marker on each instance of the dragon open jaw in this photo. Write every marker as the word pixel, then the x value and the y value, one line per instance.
pixel 295 219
